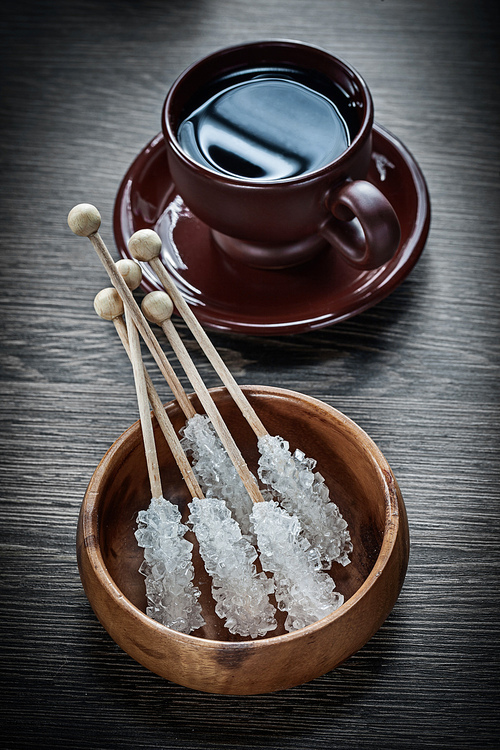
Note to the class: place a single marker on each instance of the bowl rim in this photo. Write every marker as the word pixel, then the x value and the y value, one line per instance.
pixel 89 516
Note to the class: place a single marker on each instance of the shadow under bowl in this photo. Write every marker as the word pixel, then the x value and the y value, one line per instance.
pixel 211 659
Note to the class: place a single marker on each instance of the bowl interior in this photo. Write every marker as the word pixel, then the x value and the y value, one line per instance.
pixel 345 456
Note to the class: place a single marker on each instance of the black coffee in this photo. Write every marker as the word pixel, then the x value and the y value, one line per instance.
pixel 266 125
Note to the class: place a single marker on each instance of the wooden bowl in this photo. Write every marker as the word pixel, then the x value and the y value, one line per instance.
pixel 211 659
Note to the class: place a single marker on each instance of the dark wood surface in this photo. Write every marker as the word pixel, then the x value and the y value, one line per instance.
pixel 83 84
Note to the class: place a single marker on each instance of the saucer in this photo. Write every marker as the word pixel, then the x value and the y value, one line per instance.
pixel 226 295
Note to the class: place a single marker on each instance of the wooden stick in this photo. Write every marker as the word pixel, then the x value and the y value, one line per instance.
pixel 108 305
pixel 85 220
pixel 144 412
pixel 158 308
pixel 145 245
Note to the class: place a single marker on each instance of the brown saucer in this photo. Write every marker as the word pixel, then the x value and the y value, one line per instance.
pixel 229 296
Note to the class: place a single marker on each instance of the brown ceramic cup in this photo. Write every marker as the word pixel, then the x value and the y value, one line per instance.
pixel 276 223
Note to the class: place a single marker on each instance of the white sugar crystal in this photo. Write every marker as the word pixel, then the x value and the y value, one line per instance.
pixel 215 470
pixel 242 594
pixel 301 588
pixel 168 568
pixel 304 493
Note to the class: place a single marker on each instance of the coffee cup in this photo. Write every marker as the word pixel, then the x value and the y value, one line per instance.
pixel 269 144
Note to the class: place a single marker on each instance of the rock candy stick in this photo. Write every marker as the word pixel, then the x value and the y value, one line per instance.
pixel 242 594
pixel 302 589
pixel 169 571
pixel 167 566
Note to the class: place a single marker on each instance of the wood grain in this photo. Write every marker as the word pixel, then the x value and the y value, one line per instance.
pixel 83 86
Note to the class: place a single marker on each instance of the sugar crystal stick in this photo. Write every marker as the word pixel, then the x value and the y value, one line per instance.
pixel 167 566
pixel 302 590
pixel 242 594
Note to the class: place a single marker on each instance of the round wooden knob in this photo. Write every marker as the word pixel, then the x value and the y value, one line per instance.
pixel 131 272
pixel 84 219
pixel 145 245
pixel 157 307
pixel 108 304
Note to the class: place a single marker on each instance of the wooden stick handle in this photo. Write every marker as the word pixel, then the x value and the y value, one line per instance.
pixel 145 245
pixel 108 305
pixel 143 402
pixel 158 308
pixel 164 422
pixel 84 220
pixel 211 409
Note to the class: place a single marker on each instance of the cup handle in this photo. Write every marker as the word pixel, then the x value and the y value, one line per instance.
pixel 364 227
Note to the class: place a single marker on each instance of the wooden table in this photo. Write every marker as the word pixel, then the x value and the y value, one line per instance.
pixel 83 87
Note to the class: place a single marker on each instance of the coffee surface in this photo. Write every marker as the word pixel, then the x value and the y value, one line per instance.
pixel 271 127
